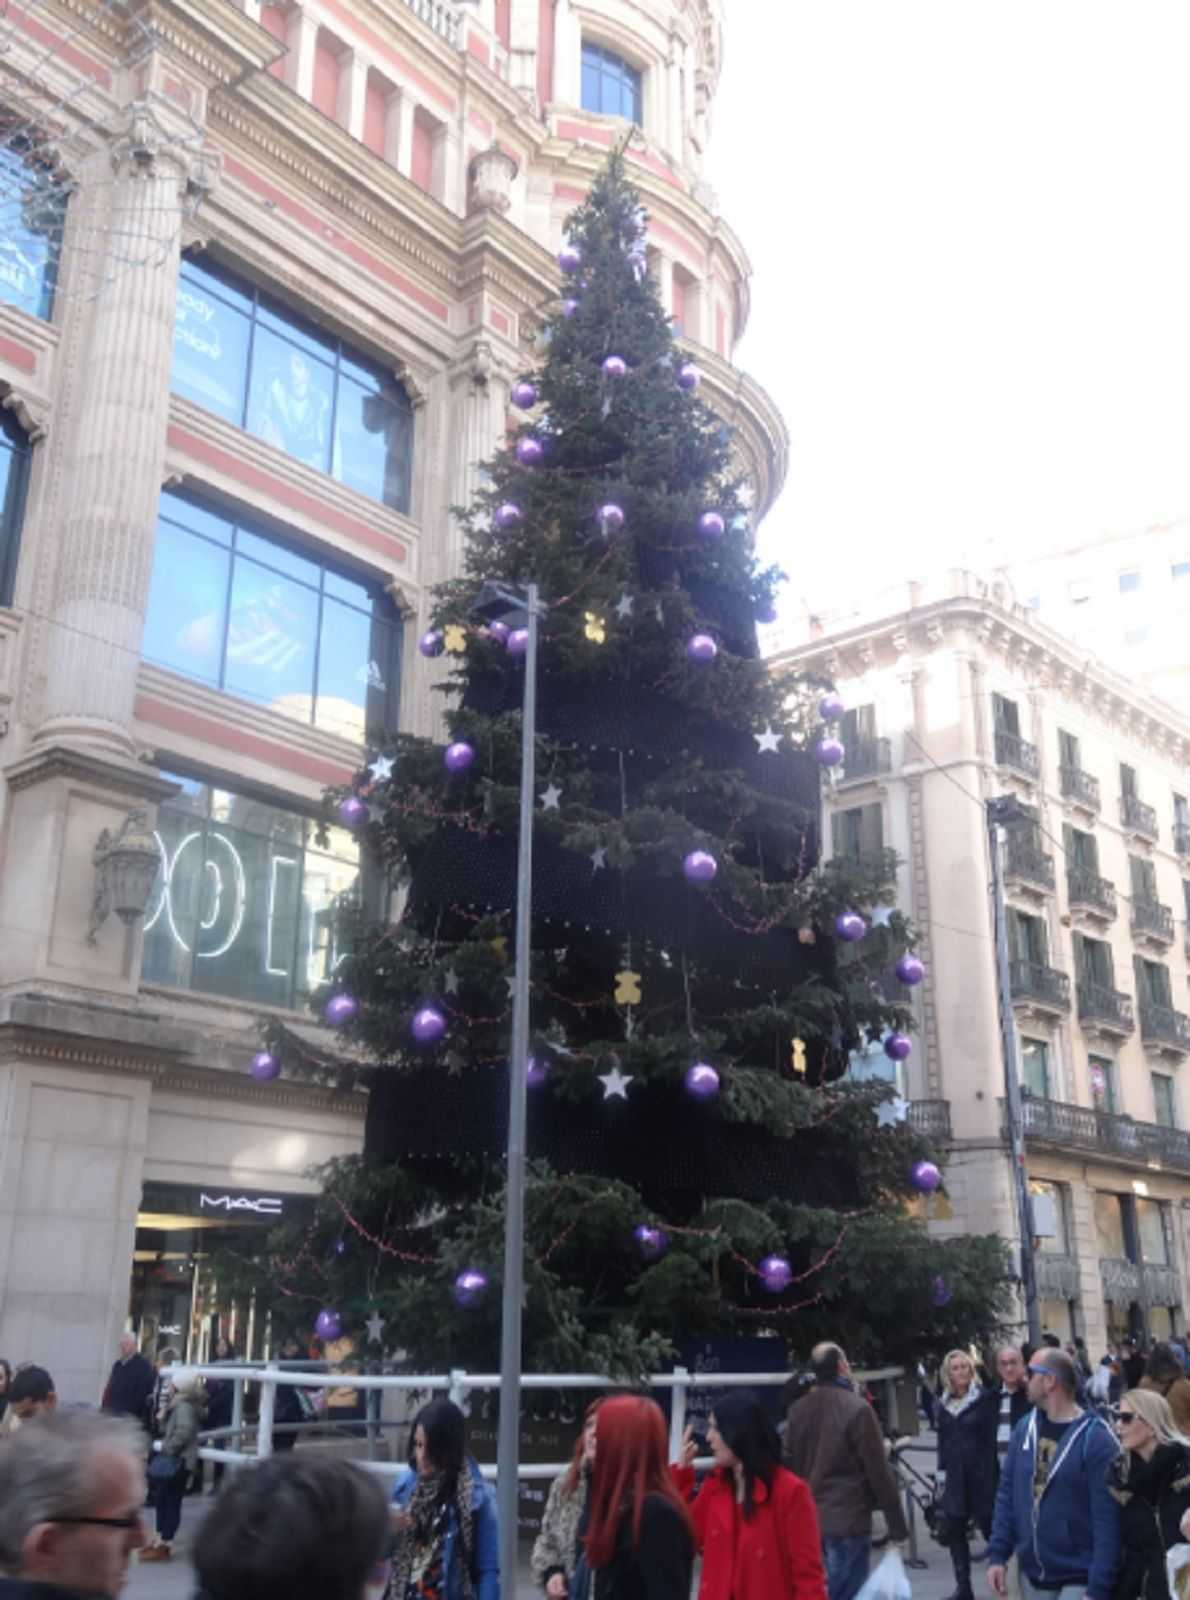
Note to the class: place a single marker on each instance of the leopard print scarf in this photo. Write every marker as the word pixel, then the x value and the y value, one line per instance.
pixel 429 1516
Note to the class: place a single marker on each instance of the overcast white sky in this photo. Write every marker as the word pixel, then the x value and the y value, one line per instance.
pixel 969 225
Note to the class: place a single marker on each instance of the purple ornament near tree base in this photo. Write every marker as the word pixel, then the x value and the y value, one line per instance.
pixel 340 1008
pixel 701 1081
pixel 265 1066
pixel 701 647
pixel 428 1025
pixel 459 756
pixel 432 643
pixel 499 631
pixel 327 1326
pixel 689 377
pixel 711 525
pixel 518 642
pixel 925 1177
pixel 828 752
pixel 536 1072
pixel 898 1047
pixel 615 367
pixel 352 810
pixel 507 516
pixel 529 451
pixel 775 1274
pixel 570 258
pixel 910 970
pixel 652 1242
pixel 569 307
pixel 611 518
pixel 524 395
pixel 470 1287
pixel 700 867
pixel 850 926
pixel 831 708
pixel 940 1294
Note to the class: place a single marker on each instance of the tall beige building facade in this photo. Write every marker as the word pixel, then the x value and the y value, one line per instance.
pixel 267 273
pixel 957 694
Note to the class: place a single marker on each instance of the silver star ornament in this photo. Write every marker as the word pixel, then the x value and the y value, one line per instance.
pixel 381 769
pixel 550 798
pixel 881 916
pixel 768 740
pixel 624 607
pixel 375 1327
pixel 890 1112
pixel 615 1084
pixel 599 858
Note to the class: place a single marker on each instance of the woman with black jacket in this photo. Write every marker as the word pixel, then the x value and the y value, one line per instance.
pixel 640 1538
pixel 1150 1481
pixel 966 1417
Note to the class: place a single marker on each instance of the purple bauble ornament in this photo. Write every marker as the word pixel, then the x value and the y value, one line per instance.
pixel 615 367
pixel 898 1047
pixel 766 613
pixel 910 970
pixel 340 1008
pixel 499 631
pixel 711 525
pixel 570 258
pixel 611 518
pixel 459 756
pixel 700 867
pixel 652 1242
pixel 352 810
pixel 689 377
pixel 850 926
pixel 518 642
pixel 428 1025
pixel 431 643
pixel 569 307
pixel 701 647
pixel 327 1326
pixel 701 1081
pixel 775 1274
pixel 507 516
pixel 536 1072
pixel 925 1177
pixel 265 1066
pixel 828 752
pixel 524 395
pixel 831 708
pixel 470 1287
pixel 529 451
pixel 940 1294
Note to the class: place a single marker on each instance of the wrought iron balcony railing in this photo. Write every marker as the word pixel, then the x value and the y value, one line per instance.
pixel 1088 892
pixel 930 1118
pixel 1152 920
pixel 1080 787
pixel 1137 817
pixel 1070 1127
pixel 1025 862
pixel 1162 1025
pixel 1106 1008
pixel 1016 753
pixel 866 758
pixel 1039 985
pixel 1181 838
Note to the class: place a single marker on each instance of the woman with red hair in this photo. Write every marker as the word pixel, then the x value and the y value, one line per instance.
pixel 640 1540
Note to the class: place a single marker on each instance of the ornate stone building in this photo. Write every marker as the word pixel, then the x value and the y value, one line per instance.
pixel 957 694
pixel 267 271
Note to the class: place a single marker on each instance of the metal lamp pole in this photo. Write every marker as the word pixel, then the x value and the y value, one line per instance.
pixel 1006 810
pixel 508 1440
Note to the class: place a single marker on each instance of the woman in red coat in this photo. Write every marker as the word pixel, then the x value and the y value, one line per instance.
pixel 756 1523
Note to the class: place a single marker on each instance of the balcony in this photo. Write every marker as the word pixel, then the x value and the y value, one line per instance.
pixel 1091 894
pixel 440 15
pixel 1069 1127
pixel 866 758
pixel 1151 1284
pixel 1169 1030
pixel 1105 1011
pixel 1152 921
pixel 1017 754
pixel 1181 839
pixel 930 1118
pixel 1025 864
pixel 1039 988
pixel 1080 788
pixel 1138 819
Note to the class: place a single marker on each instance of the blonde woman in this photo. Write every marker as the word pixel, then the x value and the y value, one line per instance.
pixel 1150 1481
pixel 966 1421
pixel 175 1457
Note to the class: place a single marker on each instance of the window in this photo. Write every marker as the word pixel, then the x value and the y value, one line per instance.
pixel 1035 1067
pixel 610 85
pixel 1027 939
pixel 1093 962
pixel 1109 1226
pixel 249 903
pixel 1068 751
pixel 1186 901
pixel 1006 716
pixel 31 238
pixel 1152 983
pixel 14 477
pixel 1128 781
pixel 858 727
pixel 858 832
pixel 1152 1232
pixel 242 610
pixel 1181 811
pixel 1103 1084
pixel 1082 849
pixel 1129 581
pixel 256 363
pixel 1164 1102
pixel 1049 1216
pixel 1143 876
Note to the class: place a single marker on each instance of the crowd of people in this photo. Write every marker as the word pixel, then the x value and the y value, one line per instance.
pixel 1075 1498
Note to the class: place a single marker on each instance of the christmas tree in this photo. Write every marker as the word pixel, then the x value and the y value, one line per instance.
pixel 700 1166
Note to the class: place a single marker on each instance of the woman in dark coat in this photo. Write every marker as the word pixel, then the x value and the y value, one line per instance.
pixel 1150 1481
pixel 640 1537
pixel 220 1401
pixel 966 1421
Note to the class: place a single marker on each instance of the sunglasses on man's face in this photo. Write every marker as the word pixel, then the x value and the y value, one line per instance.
pixel 1040 1372
pixel 125 1523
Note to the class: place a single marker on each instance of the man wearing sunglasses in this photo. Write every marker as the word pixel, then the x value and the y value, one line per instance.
pixel 72 1484
pixel 1054 1510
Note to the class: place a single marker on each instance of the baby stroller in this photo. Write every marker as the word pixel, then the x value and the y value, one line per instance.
pixel 922 1490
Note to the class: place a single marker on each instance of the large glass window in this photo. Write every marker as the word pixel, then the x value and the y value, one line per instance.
pixel 1109 1226
pixel 236 607
pixel 32 211
pixel 259 365
pixel 1152 1232
pixel 252 901
pixel 1049 1216
pixel 1035 1067
pixel 14 476
pixel 1165 1112
pixel 1103 1083
pixel 610 85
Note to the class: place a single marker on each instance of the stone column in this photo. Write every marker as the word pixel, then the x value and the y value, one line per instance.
pixel 115 443
pixel 353 90
pixel 299 63
pixel 401 115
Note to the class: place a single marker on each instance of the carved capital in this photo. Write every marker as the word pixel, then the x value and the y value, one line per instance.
pixel 413 383
pixel 32 414
pixel 142 139
pixel 492 173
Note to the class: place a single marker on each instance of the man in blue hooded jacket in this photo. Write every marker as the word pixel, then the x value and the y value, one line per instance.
pixel 1053 1507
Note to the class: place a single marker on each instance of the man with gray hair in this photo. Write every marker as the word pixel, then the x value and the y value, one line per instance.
pixel 72 1484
